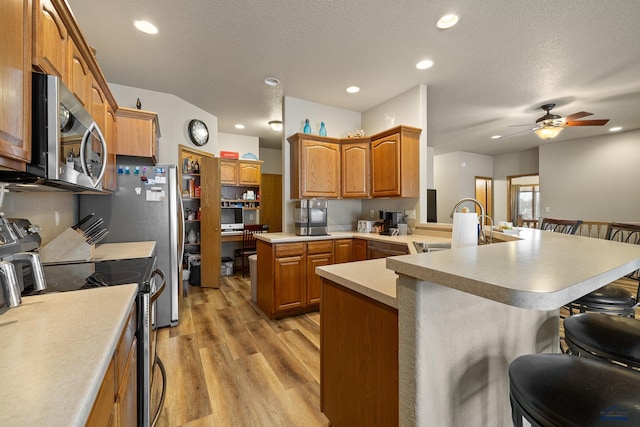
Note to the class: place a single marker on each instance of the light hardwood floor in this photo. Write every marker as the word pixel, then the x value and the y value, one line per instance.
pixel 228 365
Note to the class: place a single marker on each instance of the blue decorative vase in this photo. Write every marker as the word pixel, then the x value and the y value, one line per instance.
pixel 307 127
pixel 323 130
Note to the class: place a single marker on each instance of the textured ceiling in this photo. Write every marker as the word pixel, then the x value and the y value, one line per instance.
pixel 493 70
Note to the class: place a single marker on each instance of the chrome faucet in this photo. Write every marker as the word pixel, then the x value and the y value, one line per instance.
pixel 482 237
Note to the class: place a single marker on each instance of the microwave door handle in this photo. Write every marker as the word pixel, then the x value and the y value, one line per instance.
pixel 103 145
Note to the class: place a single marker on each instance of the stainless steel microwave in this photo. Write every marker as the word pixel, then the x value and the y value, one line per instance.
pixel 68 150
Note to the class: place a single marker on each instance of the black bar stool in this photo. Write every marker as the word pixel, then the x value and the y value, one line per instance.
pixel 611 298
pixel 558 390
pixel 611 338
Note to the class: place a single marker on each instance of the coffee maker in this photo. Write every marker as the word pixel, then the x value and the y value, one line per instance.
pixel 390 220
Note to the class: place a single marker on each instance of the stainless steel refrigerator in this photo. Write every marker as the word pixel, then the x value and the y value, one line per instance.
pixel 146 206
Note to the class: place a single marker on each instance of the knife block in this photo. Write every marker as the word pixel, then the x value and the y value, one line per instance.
pixel 70 245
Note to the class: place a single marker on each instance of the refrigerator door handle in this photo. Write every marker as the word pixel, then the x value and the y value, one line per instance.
pixel 182 225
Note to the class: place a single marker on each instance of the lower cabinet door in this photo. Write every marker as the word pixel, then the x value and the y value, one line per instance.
pixel 289 275
pixel 314 282
pixel 127 398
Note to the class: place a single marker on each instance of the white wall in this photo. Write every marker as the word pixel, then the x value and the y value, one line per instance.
pixel 338 122
pixel 272 161
pixel 454 178
pixel 522 163
pixel 242 144
pixel 593 179
pixel 174 115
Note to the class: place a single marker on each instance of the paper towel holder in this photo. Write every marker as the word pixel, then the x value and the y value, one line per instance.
pixel 482 237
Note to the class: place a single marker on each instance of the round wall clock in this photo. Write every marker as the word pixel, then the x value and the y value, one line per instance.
pixel 198 132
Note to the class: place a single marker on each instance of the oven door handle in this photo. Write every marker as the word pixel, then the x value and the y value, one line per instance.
pixel 160 288
pixel 160 365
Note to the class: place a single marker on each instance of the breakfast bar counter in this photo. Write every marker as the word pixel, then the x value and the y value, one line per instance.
pixel 465 314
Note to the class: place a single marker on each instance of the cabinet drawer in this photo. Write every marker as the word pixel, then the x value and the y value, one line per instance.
pixel 320 247
pixel 289 249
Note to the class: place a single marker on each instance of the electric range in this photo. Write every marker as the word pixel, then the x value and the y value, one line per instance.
pixel 76 276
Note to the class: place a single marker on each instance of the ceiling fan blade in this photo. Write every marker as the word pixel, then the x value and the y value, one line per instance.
pixel 601 122
pixel 577 116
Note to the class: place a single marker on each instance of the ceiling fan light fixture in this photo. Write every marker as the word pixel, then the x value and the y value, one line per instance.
pixel 615 129
pixel 548 132
pixel 276 125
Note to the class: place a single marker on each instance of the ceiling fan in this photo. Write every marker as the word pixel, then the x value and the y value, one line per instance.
pixel 550 125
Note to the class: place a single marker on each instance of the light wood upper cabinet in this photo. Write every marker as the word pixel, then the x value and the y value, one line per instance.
pixel 248 173
pixel 240 172
pixel 50 47
pixel 138 133
pixel 15 77
pixel 395 165
pixel 315 166
pixel 228 172
pixel 355 168
pixel 79 74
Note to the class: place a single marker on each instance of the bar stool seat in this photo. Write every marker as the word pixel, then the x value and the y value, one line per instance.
pixel 558 390
pixel 604 336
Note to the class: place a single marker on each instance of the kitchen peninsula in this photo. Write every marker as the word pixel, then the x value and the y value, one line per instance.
pixel 463 315
pixel 287 284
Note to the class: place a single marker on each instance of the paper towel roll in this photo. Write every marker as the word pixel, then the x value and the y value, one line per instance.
pixel 465 230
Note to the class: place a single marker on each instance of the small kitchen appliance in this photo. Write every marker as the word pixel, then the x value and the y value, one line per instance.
pixel 365 225
pixel 311 217
pixel 391 220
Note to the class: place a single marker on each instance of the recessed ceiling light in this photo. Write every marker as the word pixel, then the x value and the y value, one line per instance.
pixel 353 89
pixel 496 137
pixel 447 21
pixel 145 26
pixel 423 65
pixel 239 126
pixel 271 81
pixel 615 129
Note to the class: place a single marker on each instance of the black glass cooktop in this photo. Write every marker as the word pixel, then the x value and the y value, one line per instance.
pixel 87 275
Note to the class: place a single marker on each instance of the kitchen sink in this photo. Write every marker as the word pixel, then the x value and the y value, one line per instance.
pixel 432 246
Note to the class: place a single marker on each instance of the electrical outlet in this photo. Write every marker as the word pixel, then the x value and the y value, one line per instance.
pixel 546 209
pixel 410 214
pixel 251 217
pixel 372 213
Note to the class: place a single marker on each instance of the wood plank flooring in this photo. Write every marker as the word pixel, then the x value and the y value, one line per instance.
pixel 228 365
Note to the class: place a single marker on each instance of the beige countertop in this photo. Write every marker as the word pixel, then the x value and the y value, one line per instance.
pixel 126 250
pixel 55 351
pixel 542 271
pixel 370 278
pixel 408 240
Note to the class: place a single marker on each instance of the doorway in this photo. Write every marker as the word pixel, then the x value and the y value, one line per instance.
pixel 523 200
pixel 484 194
pixel 271 201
